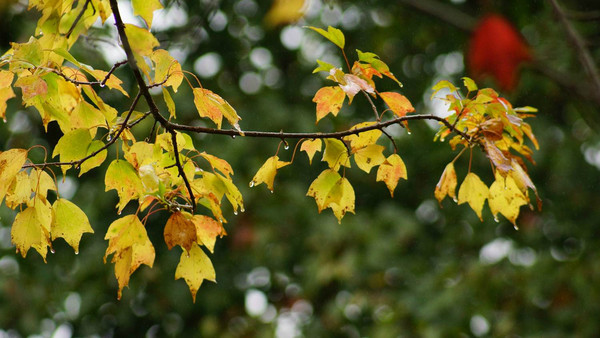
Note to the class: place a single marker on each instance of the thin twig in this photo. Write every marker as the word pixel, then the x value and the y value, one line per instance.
pixel 377 117
pixel 583 54
pixel 180 170
pixel 87 2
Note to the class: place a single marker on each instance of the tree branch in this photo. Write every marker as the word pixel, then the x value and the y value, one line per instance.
pixel 87 2
pixel 583 53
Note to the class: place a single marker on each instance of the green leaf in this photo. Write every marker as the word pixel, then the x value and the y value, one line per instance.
pixel 332 34
pixel 323 67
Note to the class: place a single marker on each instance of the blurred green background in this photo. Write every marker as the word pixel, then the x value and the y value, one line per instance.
pixel 401 266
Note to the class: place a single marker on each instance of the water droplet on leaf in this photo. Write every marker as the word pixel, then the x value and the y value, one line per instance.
pixel 77 252
pixel 109 138
pixel 251 184
pixel 242 209
pixel 408 132
pixel 232 136
pixel 102 84
pixel 235 212
pixel 496 219
pixel 52 250
pixel 516 226
pixel 455 199
pixel 286 146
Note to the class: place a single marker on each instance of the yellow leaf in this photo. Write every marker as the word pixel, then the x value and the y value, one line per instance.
pixel 447 184
pixel 6 78
pixel 145 9
pixel 95 161
pixel 266 173
pixel 194 267
pixel 69 222
pixel 219 164
pixel 369 157
pixel 207 230
pixel 340 198
pixel 321 186
pixel 5 95
pixel 20 190
pixel 328 100
pixel 365 138
pixel 214 107
pixel 166 69
pixel 233 194
pixel 506 198
pixel 474 192
pixel 11 162
pixel 41 182
pixel 398 103
pixel 391 171
pixel 129 242
pixel 285 12
pixel 72 146
pixel 141 40
pixel 180 230
pixel 336 154
pixel 311 147
pixel 112 82
pixel 169 102
pixel 122 177
pixel 86 116
pixel 28 232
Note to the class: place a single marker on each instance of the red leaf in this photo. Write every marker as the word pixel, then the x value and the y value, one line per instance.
pixel 497 49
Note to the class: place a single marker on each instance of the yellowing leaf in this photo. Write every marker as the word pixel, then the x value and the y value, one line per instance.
pixel 28 232
pixel 207 230
pixel 266 173
pixel 365 138
pixel 5 95
pixel 311 147
pixel 321 186
pixel 194 267
pixel 86 116
pixel 26 55
pixel 41 182
pixel 377 64
pixel 340 198
pixel 469 84
pixel 167 69
pixel 369 157
pixel 19 191
pixel 145 9
pixel 169 102
pixel 219 164
pixel 398 103
pixel 69 222
pixel 285 11
pixel 391 171
pixel 447 184
pixel 506 198
pixel 72 146
pixel 332 34
pixel 112 82
pixel 336 154
pixel 122 177
pixel 214 107
pixel 441 85
pixel 32 86
pixel 474 192
pixel 129 242
pixel 329 100
pixel 180 230
pixel 11 162
pixel 141 40
pixel 96 160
